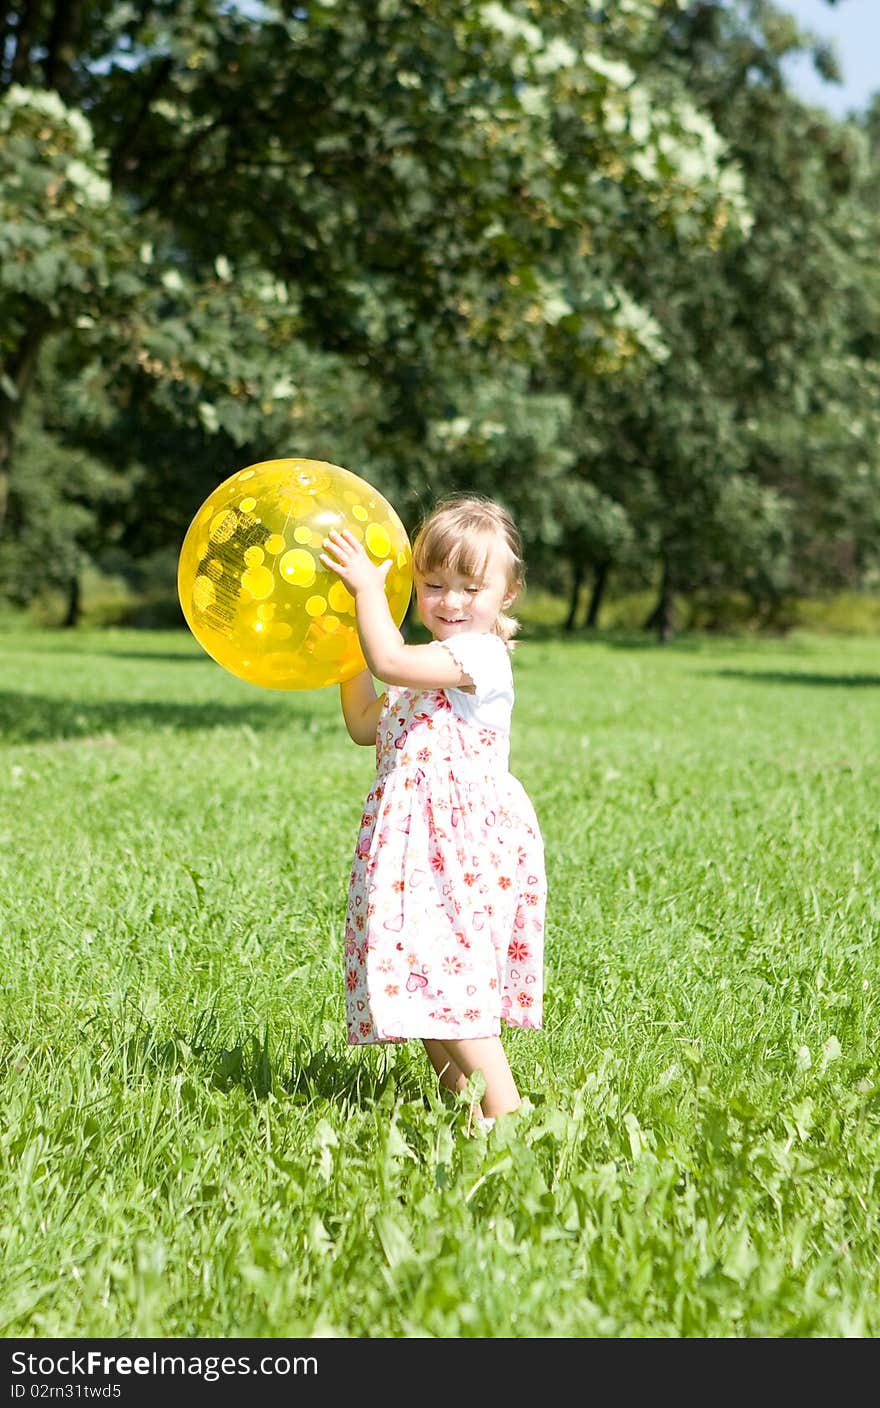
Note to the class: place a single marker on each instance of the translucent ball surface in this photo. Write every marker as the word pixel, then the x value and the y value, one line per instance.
pixel 251 584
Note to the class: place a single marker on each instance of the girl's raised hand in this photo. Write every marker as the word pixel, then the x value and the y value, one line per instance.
pixel 347 558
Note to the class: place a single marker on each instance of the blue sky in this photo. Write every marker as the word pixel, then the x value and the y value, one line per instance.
pixel 854 28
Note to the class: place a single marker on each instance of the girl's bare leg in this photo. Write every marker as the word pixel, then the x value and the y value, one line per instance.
pixel 486 1054
pixel 450 1075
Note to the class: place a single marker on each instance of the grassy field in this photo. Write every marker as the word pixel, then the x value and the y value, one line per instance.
pixel 189 1149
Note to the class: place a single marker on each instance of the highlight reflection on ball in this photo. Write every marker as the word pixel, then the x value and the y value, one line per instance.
pixel 251 584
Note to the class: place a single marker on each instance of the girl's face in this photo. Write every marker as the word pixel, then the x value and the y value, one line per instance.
pixel 452 605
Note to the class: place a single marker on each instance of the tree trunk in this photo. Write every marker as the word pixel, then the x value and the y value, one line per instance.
pixel 19 371
pixel 25 38
pixel 4 23
pixel 600 581
pixel 122 152
pixel 74 601
pixel 576 582
pixel 61 48
pixel 660 619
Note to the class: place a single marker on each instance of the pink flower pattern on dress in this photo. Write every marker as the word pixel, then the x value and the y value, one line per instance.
pixel 451 859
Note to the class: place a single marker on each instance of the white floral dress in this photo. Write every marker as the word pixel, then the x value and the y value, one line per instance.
pixel 444 931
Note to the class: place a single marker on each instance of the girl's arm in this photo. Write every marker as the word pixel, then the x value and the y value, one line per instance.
pixel 361 707
pixel 388 656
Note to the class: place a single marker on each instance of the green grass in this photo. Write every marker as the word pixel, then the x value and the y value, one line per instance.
pixel 187 1146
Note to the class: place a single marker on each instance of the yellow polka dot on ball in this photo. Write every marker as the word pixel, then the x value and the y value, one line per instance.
pixel 254 545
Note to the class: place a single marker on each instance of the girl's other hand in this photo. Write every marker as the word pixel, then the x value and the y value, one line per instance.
pixel 347 558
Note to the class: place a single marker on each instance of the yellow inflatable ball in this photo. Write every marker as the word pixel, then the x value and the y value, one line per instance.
pixel 251 584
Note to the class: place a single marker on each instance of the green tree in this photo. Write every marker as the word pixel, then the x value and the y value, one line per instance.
pixel 749 451
pixel 428 191
pixel 65 241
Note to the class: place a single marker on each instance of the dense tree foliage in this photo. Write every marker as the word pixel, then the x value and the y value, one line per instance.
pixel 594 259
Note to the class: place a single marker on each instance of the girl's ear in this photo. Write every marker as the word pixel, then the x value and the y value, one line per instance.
pixel 512 594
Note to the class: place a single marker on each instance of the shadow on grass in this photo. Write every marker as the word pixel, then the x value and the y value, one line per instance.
pixel 630 638
pixel 350 1079
pixel 685 642
pixel 801 677
pixel 35 718
pixel 86 652
pixel 167 657
pixel 303 1073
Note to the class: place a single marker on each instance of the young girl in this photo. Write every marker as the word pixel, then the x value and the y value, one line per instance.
pixel 445 924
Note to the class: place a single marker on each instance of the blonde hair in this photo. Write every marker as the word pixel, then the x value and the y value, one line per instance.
pixel 458 534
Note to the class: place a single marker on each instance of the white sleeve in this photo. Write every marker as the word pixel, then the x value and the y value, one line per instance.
pixel 486 659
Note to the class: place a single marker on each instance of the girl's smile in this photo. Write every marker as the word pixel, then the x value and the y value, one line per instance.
pixel 450 603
